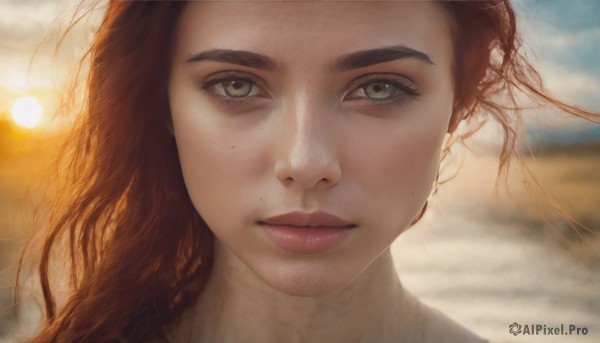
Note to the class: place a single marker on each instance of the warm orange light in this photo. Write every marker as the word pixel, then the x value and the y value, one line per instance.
pixel 27 112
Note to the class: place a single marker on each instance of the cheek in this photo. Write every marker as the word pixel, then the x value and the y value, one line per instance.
pixel 413 158
pixel 219 163
pixel 395 169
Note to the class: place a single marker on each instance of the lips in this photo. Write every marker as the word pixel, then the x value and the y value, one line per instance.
pixel 317 219
pixel 307 233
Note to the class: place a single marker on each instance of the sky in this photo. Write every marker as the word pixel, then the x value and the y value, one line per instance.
pixel 23 25
pixel 565 36
pixel 562 37
pixel 27 26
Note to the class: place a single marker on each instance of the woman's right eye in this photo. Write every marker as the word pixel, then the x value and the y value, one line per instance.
pixel 237 88
pixel 233 87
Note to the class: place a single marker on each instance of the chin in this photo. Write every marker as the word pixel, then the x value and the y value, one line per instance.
pixel 308 280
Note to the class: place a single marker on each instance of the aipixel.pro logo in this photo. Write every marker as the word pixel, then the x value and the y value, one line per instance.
pixel 514 328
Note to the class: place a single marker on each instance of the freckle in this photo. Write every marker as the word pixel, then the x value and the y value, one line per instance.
pixel 412 194
pixel 232 147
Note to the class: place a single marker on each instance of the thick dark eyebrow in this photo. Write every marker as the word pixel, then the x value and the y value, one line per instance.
pixel 240 57
pixel 350 61
pixel 365 58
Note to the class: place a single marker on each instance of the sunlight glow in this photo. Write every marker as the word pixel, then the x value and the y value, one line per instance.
pixel 27 112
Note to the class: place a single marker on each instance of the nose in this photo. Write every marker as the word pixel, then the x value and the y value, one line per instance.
pixel 307 154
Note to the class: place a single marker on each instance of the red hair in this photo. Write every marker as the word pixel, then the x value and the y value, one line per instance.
pixel 139 252
pixel 490 70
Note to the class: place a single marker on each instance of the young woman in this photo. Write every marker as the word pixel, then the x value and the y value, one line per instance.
pixel 242 168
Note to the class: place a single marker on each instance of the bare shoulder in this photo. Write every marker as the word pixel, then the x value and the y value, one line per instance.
pixel 440 328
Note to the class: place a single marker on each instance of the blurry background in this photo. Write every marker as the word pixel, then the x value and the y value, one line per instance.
pixel 485 259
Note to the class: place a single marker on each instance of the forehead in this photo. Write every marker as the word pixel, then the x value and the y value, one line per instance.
pixel 311 30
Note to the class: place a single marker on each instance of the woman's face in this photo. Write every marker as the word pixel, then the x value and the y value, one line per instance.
pixel 304 108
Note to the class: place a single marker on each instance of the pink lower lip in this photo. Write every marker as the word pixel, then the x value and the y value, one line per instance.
pixel 306 240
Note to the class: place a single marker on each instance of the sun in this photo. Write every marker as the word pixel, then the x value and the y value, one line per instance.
pixel 27 112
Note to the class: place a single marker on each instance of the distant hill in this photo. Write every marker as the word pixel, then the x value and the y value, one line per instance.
pixel 566 140
pixel 564 135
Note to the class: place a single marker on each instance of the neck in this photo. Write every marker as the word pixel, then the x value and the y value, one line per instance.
pixel 236 305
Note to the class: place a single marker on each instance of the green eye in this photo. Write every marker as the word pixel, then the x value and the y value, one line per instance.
pixel 380 90
pixel 237 88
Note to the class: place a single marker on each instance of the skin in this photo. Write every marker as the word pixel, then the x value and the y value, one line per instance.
pixel 308 138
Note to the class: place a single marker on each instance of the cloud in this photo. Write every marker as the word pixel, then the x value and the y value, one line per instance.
pixel 563 32
pixel 23 25
pixel 565 39
pixel 29 32
pixel 572 16
pixel 575 87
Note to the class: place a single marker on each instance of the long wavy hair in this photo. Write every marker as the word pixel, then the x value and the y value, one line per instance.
pixel 138 252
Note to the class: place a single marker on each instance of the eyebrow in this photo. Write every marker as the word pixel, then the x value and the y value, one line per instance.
pixel 355 60
pixel 365 58
pixel 240 57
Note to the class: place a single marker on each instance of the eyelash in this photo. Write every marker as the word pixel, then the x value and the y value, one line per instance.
pixel 400 83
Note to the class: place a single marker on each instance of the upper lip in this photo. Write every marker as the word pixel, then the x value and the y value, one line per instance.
pixel 306 219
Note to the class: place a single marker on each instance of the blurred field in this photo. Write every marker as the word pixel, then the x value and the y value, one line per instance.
pixel 572 173
pixel 570 182
pixel 488 259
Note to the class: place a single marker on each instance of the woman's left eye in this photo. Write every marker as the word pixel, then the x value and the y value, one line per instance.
pixel 380 90
pixel 383 90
